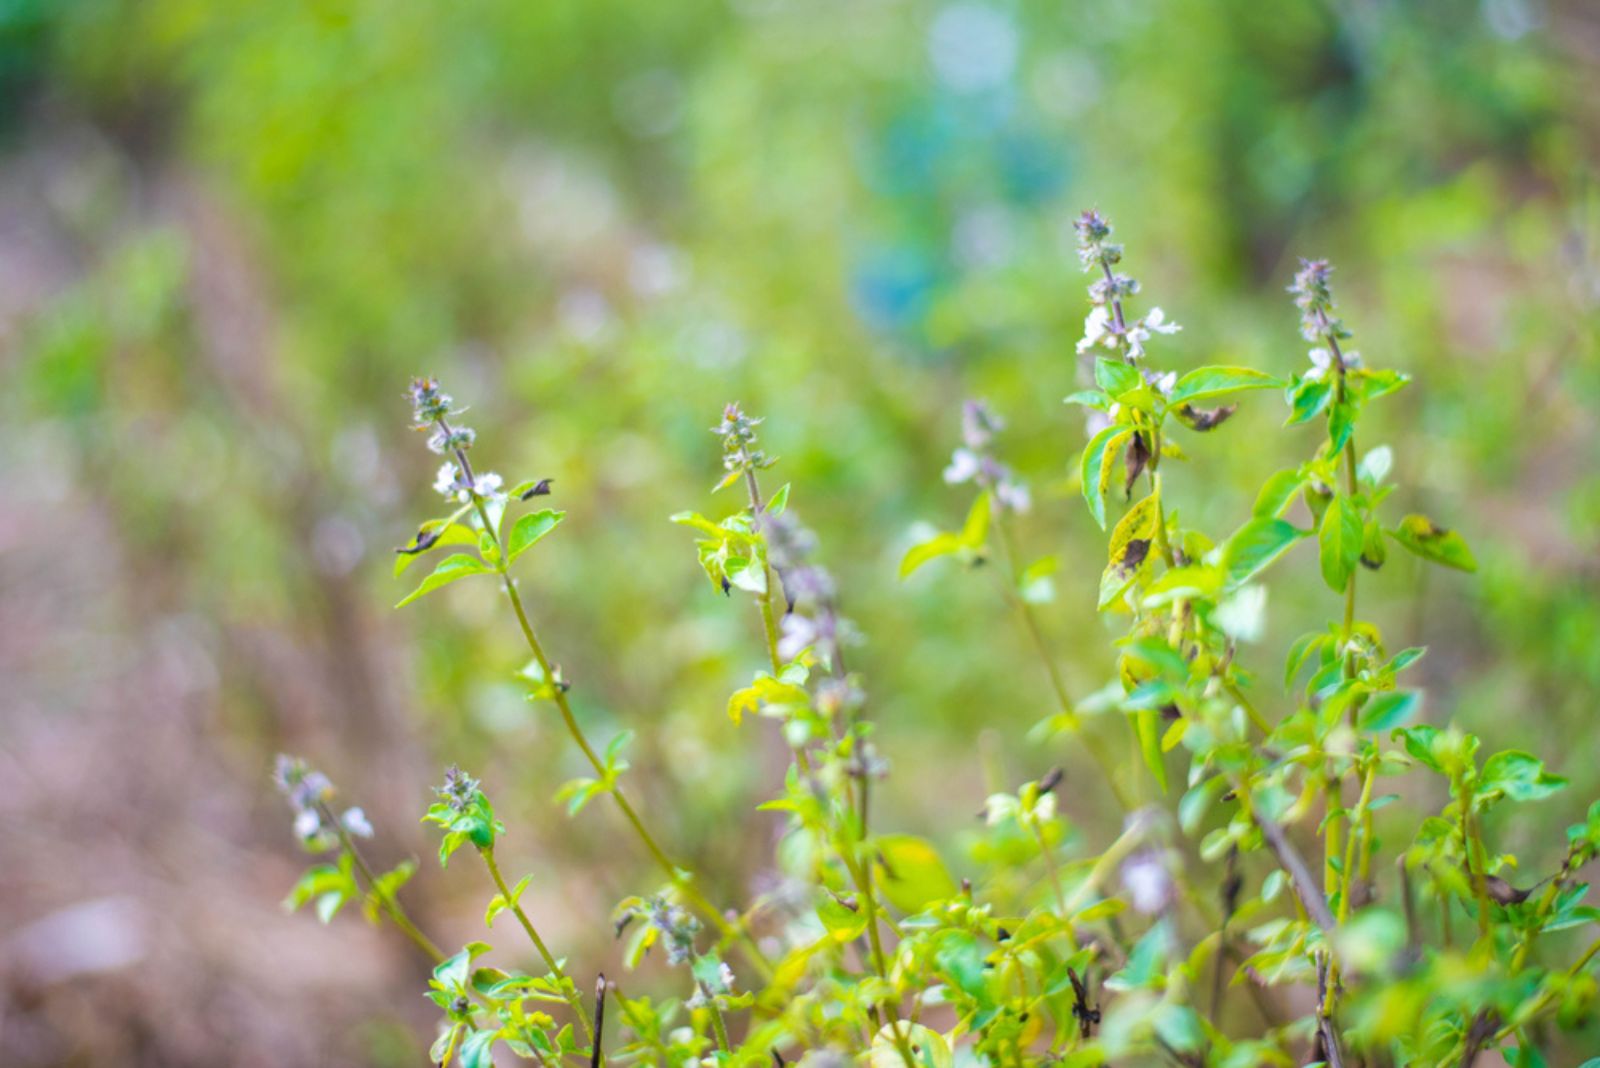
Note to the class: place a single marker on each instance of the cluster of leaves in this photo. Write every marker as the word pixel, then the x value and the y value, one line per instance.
pixel 1061 949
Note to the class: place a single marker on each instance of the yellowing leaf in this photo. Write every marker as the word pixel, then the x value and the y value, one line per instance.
pixel 911 873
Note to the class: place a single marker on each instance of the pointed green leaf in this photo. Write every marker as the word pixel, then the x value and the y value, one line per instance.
pixel 911 873
pixel 1389 709
pixel 1277 494
pixel 450 569
pixel 1147 724
pixel 529 529
pixel 1115 376
pixel 1339 540
pixel 1255 545
pixel 1307 399
pixel 1206 383
pixel 942 544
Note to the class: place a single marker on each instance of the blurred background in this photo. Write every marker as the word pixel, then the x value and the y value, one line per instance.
pixel 230 232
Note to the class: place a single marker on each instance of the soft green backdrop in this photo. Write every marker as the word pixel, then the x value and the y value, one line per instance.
pixel 230 231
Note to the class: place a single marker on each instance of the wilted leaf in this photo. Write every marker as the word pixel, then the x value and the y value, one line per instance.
pixel 1426 539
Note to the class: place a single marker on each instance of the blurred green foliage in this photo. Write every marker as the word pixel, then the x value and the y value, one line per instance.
pixel 601 220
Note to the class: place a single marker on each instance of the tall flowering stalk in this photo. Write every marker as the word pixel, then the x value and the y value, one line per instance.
pixel 487 504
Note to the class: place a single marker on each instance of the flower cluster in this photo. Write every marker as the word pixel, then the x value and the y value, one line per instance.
pixel 813 622
pixel 740 451
pixel 459 791
pixel 975 461
pixel 431 411
pixel 429 403
pixel 1107 325
pixel 666 922
pixel 1314 297
pixel 308 792
pixel 464 813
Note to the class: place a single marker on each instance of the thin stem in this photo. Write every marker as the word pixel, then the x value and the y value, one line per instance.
pixel 1540 911
pixel 1475 871
pixel 1249 709
pixel 397 914
pixel 863 883
pixel 679 876
pixel 1358 828
pixel 450 1048
pixel 1055 884
pixel 1289 859
pixel 1030 622
pixel 1548 995
pixel 568 990
pixel 1350 484
pixel 718 1025
pixel 768 620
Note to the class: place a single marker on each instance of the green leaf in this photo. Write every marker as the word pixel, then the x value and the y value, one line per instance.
pixel 942 544
pixel 1307 399
pixel 499 904
pixel 1255 545
pixel 1147 962
pixel 1342 423
pixel 1277 494
pixel 911 873
pixel 1089 398
pixel 1519 776
pixel 1302 648
pixel 1099 461
pixel 529 529
pixel 1206 383
pixel 1340 542
pixel 382 891
pixel 478 1050
pixel 778 501
pixel 1147 724
pixel 975 531
pixel 960 958
pixel 1370 385
pixel 934 1051
pixel 1389 709
pixel 766 692
pixel 454 971
pixel 450 569
pixel 1115 376
pixel 1434 543
pixel 448 531
pixel 973 536
pixel 844 923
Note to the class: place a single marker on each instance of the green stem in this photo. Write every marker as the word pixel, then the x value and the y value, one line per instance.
pixel 1350 487
pixel 1472 850
pixel 1549 995
pixel 568 990
pixel 768 620
pixel 679 876
pixel 1030 621
pixel 718 1024
pixel 1541 910
pixel 397 914
pixel 1358 824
